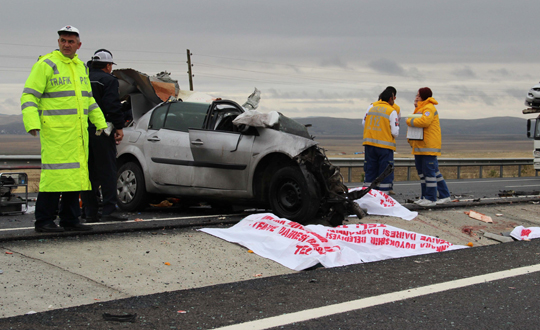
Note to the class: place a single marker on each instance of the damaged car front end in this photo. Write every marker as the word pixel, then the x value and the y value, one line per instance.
pixel 218 151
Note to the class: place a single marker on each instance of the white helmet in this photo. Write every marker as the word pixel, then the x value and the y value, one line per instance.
pixel 69 29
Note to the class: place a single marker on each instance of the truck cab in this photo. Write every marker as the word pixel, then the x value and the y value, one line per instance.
pixel 533 132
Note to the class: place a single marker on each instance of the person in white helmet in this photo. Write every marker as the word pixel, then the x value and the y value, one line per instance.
pixel 102 159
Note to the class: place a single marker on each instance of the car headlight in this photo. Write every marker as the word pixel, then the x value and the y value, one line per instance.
pixel 536 153
pixel 531 95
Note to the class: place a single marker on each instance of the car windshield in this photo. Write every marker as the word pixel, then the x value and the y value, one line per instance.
pixel 290 126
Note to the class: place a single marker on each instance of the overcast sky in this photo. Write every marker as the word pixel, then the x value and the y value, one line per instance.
pixel 308 58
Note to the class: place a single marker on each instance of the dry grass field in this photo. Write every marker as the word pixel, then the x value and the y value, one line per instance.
pixel 19 145
pixel 346 146
pixel 457 147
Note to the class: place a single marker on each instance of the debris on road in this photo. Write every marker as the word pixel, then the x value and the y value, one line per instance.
pixel 120 318
pixel 468 230
pixel 479 216
pixel 512 193
pixel 164 203
pixel 498 238
pixel 506 193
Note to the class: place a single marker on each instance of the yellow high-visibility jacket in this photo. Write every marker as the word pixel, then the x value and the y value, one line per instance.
pixel 431 144
pixel 398 109
pixel 377 130
pixel 57 100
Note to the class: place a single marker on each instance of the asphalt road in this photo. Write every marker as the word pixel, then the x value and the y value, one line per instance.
pixel 219 285
pixel 439 291
pixel 473 188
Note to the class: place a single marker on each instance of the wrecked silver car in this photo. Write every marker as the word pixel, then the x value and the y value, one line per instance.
pixel 221 152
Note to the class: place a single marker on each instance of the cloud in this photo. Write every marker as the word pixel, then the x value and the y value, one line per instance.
pixel 517 93
pixel 346 97
pixel 334 62
pixel 465 72
pixel 387 66
pixel 500 73
pixel 318 111
pixel 10 106
pixel 464 94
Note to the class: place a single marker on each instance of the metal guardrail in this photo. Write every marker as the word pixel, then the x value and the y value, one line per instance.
pixel 20 162
pixel 13 162
pixel 351 163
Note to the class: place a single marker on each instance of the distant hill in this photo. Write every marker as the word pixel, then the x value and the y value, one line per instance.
pixel 11 124
pixel 329 126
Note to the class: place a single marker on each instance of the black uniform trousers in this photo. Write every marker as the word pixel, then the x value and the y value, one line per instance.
pixel 47 206
pixel 102 170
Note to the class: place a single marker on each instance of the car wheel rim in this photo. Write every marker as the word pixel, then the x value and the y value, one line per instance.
pixel 126 186
pixel 290 196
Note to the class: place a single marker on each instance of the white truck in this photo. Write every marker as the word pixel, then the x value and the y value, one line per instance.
pixel 532 100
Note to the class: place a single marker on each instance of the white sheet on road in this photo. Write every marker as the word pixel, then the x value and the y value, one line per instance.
pixel 378 203
pixel 299 247
pixel 520 233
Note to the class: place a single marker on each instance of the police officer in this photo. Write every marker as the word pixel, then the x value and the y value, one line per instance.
pixel 102 160
pixel 57 102
pixel 381 127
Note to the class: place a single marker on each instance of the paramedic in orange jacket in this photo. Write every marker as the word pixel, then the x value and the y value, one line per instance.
pixel 389 184
pixel 426 151
pixel 381 127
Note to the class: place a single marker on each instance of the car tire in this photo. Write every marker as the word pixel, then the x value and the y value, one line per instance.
pixel 131 188
pixel 292 197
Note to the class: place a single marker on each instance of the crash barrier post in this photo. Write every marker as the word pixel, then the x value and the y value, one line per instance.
pixel 351 163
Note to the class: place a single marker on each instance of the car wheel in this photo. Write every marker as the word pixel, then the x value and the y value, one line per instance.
pixel 291 195
pixel 131 189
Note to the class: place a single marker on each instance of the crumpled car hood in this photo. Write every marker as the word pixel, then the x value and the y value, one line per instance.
pixel 145 91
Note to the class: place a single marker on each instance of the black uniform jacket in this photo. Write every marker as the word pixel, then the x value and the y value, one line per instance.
pixel 105 92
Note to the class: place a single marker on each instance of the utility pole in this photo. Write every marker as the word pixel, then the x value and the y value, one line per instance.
pixel 189 70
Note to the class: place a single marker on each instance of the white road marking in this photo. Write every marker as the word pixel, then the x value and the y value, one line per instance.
pixel 315 313
pixel 529 185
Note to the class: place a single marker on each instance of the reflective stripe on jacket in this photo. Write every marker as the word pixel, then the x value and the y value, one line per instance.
pixel 431 144
pixel 57 100
pixel 377 130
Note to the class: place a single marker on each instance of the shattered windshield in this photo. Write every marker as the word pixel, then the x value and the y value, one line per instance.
pixel 290 126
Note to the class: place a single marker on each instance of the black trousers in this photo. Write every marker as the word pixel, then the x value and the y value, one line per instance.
pixel 102 170
pixel 47 206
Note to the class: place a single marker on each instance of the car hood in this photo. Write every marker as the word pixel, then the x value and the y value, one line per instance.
pixel 144 91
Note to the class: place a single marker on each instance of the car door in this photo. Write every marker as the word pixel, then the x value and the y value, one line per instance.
pixel 222 158
pixel 167 146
